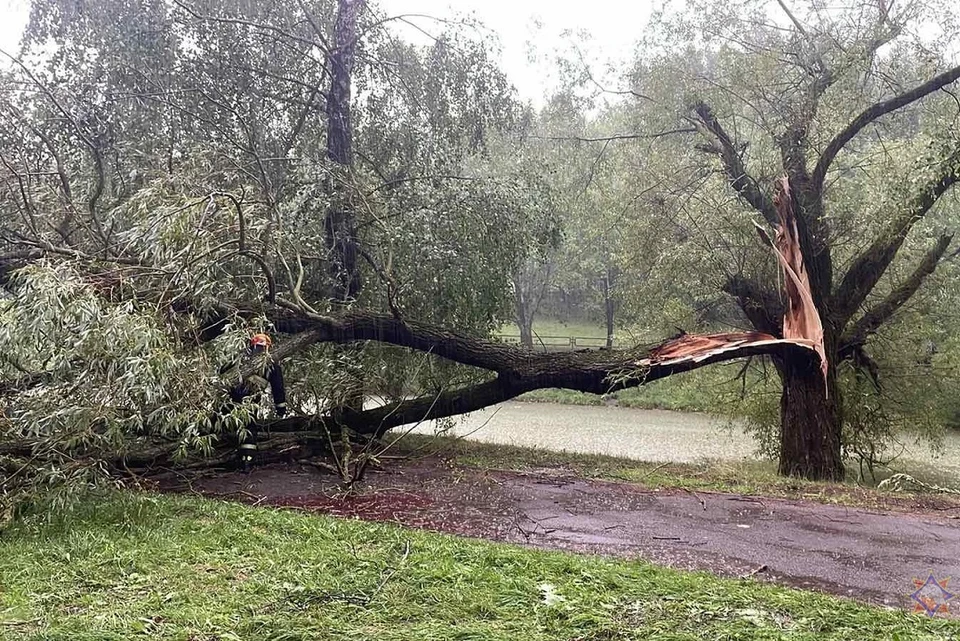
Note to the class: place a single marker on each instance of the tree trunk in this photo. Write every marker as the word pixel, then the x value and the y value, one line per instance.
pixel 523 313
pixel 340 223
pixel 810 422
pixel 609 305
pixel 340 219
pixel 526 333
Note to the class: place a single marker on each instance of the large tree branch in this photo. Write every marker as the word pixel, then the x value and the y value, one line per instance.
pixel 596 372
pixel 378 420
pixel 874 112
pixel 867 269
pixel 733 166
pixel 858 333
pixel 584 370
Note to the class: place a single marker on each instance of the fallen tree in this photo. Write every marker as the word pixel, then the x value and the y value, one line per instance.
pixel 514 370
pixel 130 287
pixel 511 371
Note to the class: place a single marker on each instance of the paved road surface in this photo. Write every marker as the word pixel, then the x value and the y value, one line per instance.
pixel 859 553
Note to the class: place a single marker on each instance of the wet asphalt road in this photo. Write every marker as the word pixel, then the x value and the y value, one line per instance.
pixel 863 554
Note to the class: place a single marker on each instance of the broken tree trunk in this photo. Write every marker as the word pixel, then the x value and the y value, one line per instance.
pixel 810 412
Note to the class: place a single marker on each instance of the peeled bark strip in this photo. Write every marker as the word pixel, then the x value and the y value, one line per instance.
pixel 801 319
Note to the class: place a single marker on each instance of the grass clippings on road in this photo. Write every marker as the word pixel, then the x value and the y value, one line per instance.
pixel 141 566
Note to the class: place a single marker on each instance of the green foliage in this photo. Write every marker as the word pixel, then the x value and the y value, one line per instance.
pixel 172 568
pixel 90 380
pixel 187 174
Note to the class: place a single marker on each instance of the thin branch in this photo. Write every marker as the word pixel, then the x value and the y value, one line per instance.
pixel 614 137
pixel 100 182
pixel 249 23
pixel 885 309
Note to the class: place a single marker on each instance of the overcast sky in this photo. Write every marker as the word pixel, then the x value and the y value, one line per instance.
pixel 613 26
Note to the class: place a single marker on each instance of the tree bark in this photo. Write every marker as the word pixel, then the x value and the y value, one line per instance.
pixel 526 332
pixel 610 306
pixel 340 218
pixel 524 315
pixel 810 421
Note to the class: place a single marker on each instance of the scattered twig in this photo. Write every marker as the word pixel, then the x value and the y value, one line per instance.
pixel 754 572
pixel 703 503
pixel 655 470
pixel 394 570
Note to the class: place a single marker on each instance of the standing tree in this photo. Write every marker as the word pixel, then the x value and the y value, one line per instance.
pixel 819 95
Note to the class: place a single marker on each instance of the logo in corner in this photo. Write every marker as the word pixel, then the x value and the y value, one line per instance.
pixel 932 596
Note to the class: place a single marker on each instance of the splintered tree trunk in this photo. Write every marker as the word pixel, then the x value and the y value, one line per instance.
pixel 810 422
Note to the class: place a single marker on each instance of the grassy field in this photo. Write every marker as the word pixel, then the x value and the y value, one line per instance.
pixel 140 566
pixel 550 327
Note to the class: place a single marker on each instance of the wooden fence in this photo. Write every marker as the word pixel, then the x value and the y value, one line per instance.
pixel 562 343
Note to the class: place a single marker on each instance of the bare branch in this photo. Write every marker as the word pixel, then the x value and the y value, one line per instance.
pixel 874 112
pixel 733 165
pixel 867 269
pixel 661 134
pixel 100 182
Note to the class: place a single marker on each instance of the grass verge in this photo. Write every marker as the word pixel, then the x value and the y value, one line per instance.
pixel 753 477
pixel 141 566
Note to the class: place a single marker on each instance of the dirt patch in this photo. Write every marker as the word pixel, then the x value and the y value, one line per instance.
pixel 866 554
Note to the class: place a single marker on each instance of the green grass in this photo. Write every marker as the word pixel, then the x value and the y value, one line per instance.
pixel 549 327
pixel 136 566
pixel 667 394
